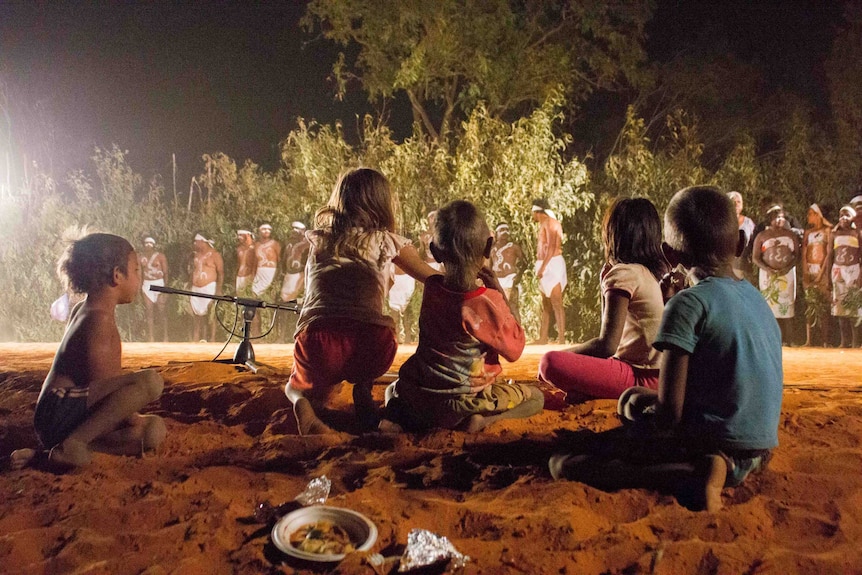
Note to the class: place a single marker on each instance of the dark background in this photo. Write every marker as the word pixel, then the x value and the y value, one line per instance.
pixel 190 77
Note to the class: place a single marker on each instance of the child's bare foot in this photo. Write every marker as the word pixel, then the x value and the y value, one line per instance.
pixel 307 421
pixel 715 478
pixel 22 458
pixel 69 454
pixel 561 465
pixel 153 433
pixel 386 426
pixel 474 424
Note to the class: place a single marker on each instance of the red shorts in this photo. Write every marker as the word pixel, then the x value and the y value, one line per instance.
pixel 333 350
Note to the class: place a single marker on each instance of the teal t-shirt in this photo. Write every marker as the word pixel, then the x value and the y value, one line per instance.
pixel 735 378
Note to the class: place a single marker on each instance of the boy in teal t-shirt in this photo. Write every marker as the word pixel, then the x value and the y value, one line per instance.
pixel 714 418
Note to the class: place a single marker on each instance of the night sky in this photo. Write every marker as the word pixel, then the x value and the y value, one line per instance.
pixel 195 77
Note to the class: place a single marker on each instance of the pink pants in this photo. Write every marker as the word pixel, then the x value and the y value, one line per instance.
pixel 330 351
pixel 584 377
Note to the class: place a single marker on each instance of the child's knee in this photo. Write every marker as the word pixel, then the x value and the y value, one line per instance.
pixel 546 367
pixel 152 383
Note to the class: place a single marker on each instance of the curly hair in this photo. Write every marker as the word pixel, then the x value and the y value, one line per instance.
pixel 88 264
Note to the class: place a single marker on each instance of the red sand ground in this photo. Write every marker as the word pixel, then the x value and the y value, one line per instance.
pixel 232 444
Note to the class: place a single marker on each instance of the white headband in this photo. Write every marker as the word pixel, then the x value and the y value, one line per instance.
pixel 297 225
pixel 243 233
pixel 734 195
pixel 149 240
pixel 856 200
pixel 502 227
pixel 265 227
pixel 538 208
pixel 199 237
pixel 849 209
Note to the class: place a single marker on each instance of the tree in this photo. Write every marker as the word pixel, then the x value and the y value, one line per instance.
pixel 448 55
pixel 844 70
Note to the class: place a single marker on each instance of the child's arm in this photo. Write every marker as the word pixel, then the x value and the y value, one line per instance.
pixel 673 376
pixel 409 261
pixel 489 320
pixel 614 314
pixel 489 278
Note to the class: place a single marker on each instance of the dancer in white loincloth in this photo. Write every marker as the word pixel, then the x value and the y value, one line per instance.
pixel 550 271
pixel 154 270
pixel 207 277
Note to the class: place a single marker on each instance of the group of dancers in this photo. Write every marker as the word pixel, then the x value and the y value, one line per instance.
pixel 829 257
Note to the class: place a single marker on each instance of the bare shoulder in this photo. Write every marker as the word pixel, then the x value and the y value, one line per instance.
pixel 94 324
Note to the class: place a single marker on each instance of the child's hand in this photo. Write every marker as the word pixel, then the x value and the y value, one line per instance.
pixel 672 283
pixel 489 278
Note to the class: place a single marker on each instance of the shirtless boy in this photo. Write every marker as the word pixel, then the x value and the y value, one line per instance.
pixel 775 251
pixel 846 258
pixel 507 259
pixel 295 255
pixel 207 277
pixel 816 249
pixel 88 402
pixel 154 267
pixel 550 271
pixel 246 262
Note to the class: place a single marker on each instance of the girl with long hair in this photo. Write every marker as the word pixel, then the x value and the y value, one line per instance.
pixel 622 355
pixel 342 332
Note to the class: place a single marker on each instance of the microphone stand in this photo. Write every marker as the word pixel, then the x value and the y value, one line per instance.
pixel 244 354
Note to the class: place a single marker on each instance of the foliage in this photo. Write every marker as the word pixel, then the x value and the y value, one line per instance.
pixel 817 305
pixel 449 55
pixel 853 300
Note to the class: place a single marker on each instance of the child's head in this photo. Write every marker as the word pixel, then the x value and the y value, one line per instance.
pixel 846 215
pixel 461 238
pixel 700 225
pixel 631 232
pixel 88 264
pixel 361 199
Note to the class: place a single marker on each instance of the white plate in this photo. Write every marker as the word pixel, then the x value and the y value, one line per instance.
pixel 360 529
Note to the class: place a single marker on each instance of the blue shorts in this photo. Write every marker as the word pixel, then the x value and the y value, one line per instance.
pixel 58 413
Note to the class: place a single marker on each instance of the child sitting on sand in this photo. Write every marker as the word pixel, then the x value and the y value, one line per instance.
pixel 714 418
pixel 622 355
pixel 342 332
pixel 87 402
pixel 450 381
